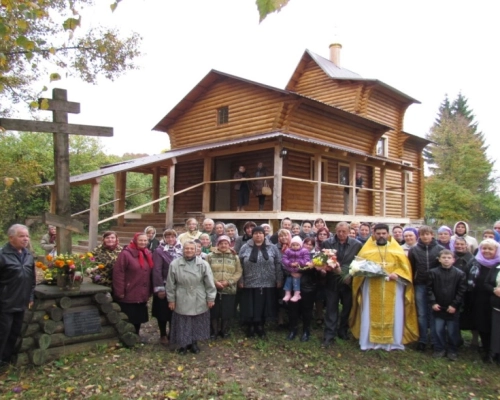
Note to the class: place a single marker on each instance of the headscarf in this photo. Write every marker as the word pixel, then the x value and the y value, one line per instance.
pixel 491 262
pixel 284 246
pixel 262 248
pixel 105 235
pixel 450 244
pixel 411 229
pixel 464 224
pixel 143 253
pixel 444 228
pixel 52 236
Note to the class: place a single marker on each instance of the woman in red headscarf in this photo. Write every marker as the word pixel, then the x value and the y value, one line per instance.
pixel 132 280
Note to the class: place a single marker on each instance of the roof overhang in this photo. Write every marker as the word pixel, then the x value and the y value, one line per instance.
pixel 170 157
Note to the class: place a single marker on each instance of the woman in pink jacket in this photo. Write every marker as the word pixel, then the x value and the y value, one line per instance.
pixel 132 280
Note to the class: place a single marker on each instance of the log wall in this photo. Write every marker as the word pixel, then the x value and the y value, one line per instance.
pixel 314 83
pixel 188 173
pixel 299 196
pixel 411 153
pixel 252 109
pixel 314 123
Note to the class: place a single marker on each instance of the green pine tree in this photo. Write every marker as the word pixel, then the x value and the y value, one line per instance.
pixel 461 184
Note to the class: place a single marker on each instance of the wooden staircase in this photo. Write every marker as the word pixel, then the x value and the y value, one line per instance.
pixel 132 226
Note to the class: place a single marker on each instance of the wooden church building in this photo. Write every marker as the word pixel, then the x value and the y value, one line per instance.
pixel 313 136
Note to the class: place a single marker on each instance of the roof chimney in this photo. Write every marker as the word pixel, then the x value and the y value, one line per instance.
pixel 335 53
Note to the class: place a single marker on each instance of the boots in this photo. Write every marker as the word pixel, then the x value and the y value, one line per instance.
pixel 224 330
pixel 250 331
pixel 288 295
pixel 213 329
pixel 305 336
pixel 259 329
pixel 292 334
pixel 261 207
pixel 194 348
pixel 296 297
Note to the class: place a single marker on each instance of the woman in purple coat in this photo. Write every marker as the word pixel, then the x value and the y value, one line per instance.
pixel 293 259
pixel 168 250
pixel 132 280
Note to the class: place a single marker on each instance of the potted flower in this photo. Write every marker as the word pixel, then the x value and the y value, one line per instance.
pixel 67 270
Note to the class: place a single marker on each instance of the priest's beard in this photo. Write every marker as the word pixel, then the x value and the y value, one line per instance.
pixel 381 241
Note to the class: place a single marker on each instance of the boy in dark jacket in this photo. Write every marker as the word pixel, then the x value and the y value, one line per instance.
pixel 446 289
pixel 423 258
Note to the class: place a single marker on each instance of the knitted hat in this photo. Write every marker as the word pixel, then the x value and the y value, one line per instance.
pixel 223 237
pixel 258 229
pixel 296 239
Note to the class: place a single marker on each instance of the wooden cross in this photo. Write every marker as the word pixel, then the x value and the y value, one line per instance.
pixel 60 107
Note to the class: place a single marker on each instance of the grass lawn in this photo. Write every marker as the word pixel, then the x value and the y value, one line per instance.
pixel 239 368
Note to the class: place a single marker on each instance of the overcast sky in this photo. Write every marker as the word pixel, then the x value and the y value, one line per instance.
pixel 425 49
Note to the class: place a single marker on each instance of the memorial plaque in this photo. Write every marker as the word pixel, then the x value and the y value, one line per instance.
pixel 78 322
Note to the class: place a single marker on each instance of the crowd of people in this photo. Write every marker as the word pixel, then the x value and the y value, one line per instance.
pixel 206 281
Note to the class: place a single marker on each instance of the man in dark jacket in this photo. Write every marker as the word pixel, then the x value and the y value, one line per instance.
pixel 337 289
pixel 17 284
pixel 423 257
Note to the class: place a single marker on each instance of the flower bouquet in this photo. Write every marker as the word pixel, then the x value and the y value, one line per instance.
pixel 324 258
pixel 66 269
pixel 369 269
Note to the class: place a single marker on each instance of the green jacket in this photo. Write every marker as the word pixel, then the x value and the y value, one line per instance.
pixel 190 285
pixel 225 267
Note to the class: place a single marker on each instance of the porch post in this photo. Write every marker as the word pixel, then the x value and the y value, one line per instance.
pixel 207 175
pixel 278 180
pixel 169 221
pixel 352 189
pixel 317 186
pixel 383 193
pixel 120 192
pixel 156 189
pixel 53 199
pixel 94 213
pixel 404 187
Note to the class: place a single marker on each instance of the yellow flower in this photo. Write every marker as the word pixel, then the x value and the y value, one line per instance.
pixel 89 255
pixel 100 266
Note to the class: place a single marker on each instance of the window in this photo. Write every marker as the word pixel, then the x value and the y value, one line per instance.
pixel 344 174
pixel 409 174
pixel 324 171
pixel 383 147
pixel 223 115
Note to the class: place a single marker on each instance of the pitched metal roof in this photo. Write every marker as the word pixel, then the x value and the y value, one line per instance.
pixel 138 163
pixel 335 72
pixel 332 70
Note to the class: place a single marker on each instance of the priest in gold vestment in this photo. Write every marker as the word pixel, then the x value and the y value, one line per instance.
pixel 383 315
